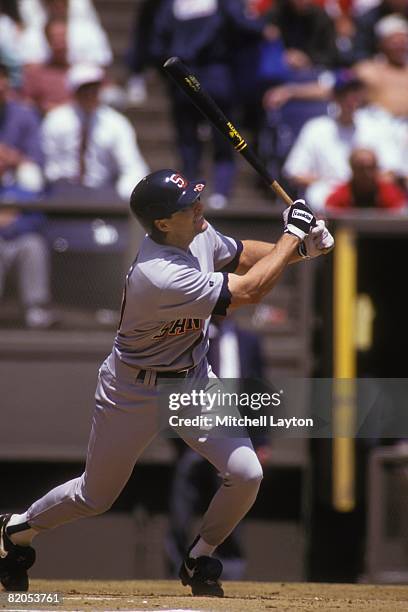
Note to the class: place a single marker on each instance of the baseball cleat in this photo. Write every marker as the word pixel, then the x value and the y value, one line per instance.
pixel 202 574
pixel 14 560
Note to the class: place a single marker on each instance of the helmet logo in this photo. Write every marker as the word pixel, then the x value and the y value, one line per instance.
pixel 178 180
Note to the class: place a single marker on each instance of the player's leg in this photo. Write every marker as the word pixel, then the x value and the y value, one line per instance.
pixel 241 473
pixel 125 420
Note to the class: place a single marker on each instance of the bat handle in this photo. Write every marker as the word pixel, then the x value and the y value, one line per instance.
pixel 281 193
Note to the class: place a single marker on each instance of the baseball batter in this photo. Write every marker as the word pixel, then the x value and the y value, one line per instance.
pixel 184 272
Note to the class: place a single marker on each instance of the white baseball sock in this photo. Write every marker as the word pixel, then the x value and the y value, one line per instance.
pixel 19 531
pixel 201 549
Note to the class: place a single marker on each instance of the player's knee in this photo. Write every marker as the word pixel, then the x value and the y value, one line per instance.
pixel 248 476
pixel 254 476
pixel 90 506
pixel 94 508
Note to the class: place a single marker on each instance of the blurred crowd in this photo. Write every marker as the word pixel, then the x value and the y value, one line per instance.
pixel 319 85
pixel 311 80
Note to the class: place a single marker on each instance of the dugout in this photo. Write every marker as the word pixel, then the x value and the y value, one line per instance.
pixel 356 508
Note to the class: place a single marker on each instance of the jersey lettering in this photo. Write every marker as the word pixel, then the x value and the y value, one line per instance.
pixel 193 324
pixel 179 327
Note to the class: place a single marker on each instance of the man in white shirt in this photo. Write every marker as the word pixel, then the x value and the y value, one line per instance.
pixel 87 40
pixel 318 161
pixel 88 144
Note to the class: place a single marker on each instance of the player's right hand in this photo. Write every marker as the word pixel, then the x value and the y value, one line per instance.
pixel 298 219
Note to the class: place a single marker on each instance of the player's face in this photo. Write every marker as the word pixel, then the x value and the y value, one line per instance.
pixel 184 225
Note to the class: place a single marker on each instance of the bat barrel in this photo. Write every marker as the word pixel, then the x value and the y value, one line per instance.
pixel 191 86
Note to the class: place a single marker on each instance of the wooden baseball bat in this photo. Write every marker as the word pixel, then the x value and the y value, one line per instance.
pixel 191 86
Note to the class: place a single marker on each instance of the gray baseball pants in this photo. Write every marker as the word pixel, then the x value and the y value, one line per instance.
pixel 125 421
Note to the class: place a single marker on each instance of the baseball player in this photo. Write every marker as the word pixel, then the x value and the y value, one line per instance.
pixel 185 271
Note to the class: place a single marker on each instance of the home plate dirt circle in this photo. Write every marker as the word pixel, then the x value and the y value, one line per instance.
pixel 170 596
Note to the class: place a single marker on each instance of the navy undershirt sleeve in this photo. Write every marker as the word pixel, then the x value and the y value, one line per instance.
pixel 224 299
pixel 233 264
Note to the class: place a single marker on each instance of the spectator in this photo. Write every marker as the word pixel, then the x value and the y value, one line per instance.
pixel 37 12
pixel 386 79
pixel 21 242
pixel 10 31
pixel 318 161
pixel 45 85
pixel 296 70
pixel 20 151
pixel 366 38
pixel 366 188
pixel 203 34
pixel 359 7
pixel 139 53
pixel 90 149
pixel 386 76
pixel 87 41
pixel 307 33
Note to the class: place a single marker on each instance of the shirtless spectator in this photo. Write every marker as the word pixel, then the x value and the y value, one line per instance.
pixel 386 79
pixel 366 188
pixel 319 159
pixel 386 75
pixel 46 84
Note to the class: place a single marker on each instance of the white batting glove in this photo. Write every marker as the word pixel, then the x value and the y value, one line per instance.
pixel 318 242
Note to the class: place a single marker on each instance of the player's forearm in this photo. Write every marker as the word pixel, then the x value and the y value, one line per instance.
pixel 253 251
pixel 261 278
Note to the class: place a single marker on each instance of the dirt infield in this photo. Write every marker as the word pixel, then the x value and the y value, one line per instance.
pixel 239 596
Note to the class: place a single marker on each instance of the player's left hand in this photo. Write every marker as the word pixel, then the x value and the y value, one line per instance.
pixel 318 242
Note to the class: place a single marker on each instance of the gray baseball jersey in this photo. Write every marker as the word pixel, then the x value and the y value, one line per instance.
pixel 169 297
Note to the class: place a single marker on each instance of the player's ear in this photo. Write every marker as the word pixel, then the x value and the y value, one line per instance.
pixel 162 225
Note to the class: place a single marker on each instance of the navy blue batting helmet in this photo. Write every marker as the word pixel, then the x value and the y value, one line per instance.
pixel 161 194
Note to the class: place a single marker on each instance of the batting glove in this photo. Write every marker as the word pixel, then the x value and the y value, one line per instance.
pixel 298 219
pixel 318 242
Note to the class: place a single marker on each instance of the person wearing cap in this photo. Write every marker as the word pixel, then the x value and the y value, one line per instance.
pixel 184 272
pixel 90 149
pixel 365 43
pixel 318 160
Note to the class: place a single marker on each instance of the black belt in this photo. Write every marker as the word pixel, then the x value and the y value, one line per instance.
pixel 181 374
